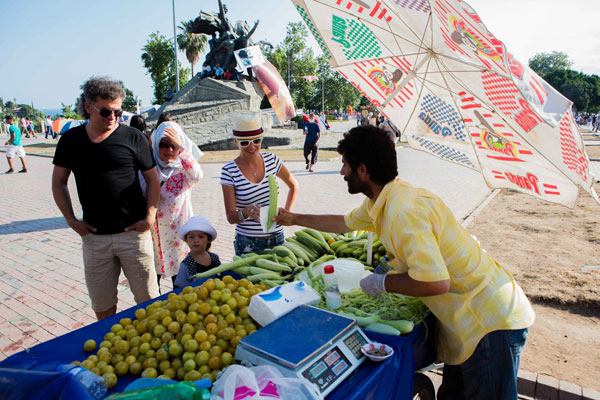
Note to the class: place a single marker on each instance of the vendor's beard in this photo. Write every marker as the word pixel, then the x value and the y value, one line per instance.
pixel 354 184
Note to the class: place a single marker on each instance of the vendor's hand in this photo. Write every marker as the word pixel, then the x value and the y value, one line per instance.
pixel 284 217
pixel 7 143
pixel 141 226
pixel 81 227
pixel 374 284
pixel 173 138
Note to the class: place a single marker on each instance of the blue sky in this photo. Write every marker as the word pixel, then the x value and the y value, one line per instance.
pixel 51 47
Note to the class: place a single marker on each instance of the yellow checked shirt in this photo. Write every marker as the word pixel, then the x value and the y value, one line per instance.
pixel 423 238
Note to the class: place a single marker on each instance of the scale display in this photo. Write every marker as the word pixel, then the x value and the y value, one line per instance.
pixel 327 369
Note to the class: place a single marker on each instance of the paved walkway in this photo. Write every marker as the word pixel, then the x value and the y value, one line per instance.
pixel 42 289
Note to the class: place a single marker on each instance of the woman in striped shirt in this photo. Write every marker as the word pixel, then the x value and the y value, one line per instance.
pixel 246 187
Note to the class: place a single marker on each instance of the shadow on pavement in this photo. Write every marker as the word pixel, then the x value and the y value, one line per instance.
pixel 33 225
pixel 315 172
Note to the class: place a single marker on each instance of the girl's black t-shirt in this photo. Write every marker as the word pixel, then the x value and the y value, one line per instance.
pixel 106 175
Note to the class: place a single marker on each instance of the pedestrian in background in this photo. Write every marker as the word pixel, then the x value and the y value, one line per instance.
pixel 138 122
pixel 14 146
pixel 169 94
pixel 30 128
pixel 49 129
pixel 105 158
pixel 24 127
pixel 312 134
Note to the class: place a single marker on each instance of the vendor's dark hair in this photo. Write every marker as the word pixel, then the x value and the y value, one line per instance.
pixel 372 147
pixel 138 122
pixel 99 86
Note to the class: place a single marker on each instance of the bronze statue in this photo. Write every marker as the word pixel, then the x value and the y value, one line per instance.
pixel 225 38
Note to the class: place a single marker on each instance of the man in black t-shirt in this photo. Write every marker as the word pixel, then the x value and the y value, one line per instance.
pixel 105 158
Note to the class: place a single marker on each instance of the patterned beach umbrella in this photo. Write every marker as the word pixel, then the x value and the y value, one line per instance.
pixel 69 124
pixel 58 123
pixel 454 90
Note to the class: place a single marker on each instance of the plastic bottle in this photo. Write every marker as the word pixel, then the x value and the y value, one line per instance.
pixel 333 299
pixel 94 384
pixel 182 391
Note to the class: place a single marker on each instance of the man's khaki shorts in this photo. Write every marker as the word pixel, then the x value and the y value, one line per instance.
pixel 105 255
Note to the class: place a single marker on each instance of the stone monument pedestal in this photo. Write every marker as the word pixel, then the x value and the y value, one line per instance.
pixel 204 108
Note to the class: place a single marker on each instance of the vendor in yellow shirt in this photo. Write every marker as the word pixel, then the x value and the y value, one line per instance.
pixel 483 313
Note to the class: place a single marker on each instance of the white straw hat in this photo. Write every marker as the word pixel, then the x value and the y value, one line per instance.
pixel 247 126
pixel 197 223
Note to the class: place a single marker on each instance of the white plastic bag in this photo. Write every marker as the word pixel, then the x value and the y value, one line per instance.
pixel 236 383
pixel 263 382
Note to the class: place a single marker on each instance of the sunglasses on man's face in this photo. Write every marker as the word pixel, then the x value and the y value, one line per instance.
pixel 246 143
pixel 105 112
pixel 166 145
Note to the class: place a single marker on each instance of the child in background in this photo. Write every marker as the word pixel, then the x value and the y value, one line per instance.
pixel 30 128
pixel 198 233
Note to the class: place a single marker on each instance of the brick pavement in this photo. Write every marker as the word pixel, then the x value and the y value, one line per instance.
pixel 42 288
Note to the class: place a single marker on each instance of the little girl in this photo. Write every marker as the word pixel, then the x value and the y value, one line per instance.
pixel 198 233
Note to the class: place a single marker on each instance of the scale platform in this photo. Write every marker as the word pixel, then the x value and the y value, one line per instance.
pixel 318 345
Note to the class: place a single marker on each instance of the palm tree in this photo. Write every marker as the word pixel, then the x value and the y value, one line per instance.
pixel 191 43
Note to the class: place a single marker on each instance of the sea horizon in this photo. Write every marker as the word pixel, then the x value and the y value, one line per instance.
pixel 51 111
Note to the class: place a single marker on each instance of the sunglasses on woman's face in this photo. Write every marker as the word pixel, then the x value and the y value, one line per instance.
pixel 105 112
pixel 166 145
pixel 246 143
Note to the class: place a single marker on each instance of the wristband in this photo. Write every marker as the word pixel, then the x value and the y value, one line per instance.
pixel 241 216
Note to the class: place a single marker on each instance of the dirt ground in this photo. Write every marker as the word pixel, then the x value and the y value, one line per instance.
pixel 545 246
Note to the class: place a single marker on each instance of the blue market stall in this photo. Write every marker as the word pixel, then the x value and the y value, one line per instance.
pixel 31 373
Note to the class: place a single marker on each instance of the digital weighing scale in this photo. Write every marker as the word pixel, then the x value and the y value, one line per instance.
pixel 315 344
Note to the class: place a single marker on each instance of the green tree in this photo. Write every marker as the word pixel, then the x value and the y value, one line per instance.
pixel 68 112
pixel 544 63
pixel 191 43
pixel 333 88
pixel 159 59
pixel 577 92
pixel 583 90
pixel 129 102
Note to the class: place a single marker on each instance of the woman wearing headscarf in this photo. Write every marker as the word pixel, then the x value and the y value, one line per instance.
pixel 178 170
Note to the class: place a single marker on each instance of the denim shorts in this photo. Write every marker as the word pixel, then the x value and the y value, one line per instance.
pixel 246 244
